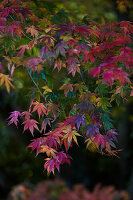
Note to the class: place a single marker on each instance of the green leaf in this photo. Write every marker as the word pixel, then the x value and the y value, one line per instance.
pixel 106 121
pixel 101 89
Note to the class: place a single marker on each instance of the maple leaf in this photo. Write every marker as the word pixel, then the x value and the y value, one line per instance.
pixel 14 28
pixel 100 140
pixel 126 26
pixel 6 80
pixel 47 39
pixel 85 106
pixel 52 140
pixel 53 137
pixel 14 117
pixel 36 144
pixel 59 64
pixel 61 158
pixel 60 48
pixel 121 76
pixel 92 129
pixel 52 163
pixel 69 134
pixel 39 107
pixel 73 65
pixel 6 11
pixel 45 122
pixel 46 89
pixel 79 120
pixel 95 72
pixel 71 41
pixel 89 55
pixel 108 77
pixel 49 165
pixel 126 56
pixel 81 29
pixel 32 63
pixel 32 30
pixel 91 145
pixel 27 114
pixel 111 134
pixel 31 124
pixel 44 51
pixel 119 90
pixel 48 150
pixel 53 108
pixel 103 102
pixel 66 88
pixel 22 51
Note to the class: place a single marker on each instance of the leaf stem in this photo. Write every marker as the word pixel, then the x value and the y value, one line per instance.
pixel 36 85
pixel 81 75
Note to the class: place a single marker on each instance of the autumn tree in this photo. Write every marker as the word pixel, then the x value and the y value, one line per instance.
pixel 79 71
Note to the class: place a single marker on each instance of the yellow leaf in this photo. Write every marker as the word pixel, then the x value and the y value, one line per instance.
pixel 46 89
pixel 6 80
pixel 93 99
pixel 91 146
pixel 74 134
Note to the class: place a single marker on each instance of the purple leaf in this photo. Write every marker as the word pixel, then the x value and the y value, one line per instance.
pixel 79 120
pixel 92 129
pixel 14 117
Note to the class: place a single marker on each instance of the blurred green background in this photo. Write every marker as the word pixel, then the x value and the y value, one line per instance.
pixel 18 165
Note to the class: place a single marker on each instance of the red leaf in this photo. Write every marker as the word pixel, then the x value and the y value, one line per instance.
pixel 39 107
pixel 95 72
pixel 31 124
pixel 100 140
pixel 45 123
pixel 14 117
pixel 66 88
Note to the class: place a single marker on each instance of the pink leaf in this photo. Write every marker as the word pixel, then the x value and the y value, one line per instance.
pixel 14 117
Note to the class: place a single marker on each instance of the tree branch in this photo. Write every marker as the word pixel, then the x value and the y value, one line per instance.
pixel 36 85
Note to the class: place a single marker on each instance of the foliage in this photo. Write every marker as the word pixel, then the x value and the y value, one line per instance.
pixel 57 190
pixel 84 69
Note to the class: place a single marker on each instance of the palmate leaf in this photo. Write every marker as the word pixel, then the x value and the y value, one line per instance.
pixel 100 140
pixel 101 89
pixel 66 88
pixel 103 103
pixel 107 121
pixel 6 80
pixel 92 129
pixel 32 30
pixel 48 150
pixel 61 48
pixel 91 145
pixel 69 135
pixel 14 117
pixel 54 163
pixel 30 124
pixel 46 89
pixel 39 107
pixel 45 122
pixel 79 120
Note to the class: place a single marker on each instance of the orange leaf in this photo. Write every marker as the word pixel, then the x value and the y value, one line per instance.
pixel 66 88
pixel 33 31
pixel 6 80
pixel 40 107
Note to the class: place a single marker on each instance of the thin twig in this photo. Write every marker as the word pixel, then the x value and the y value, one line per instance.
pixel 81 75
pixel 36 85
pixel 22 32
pixel 27 36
